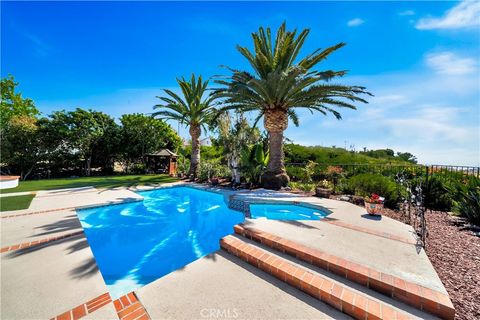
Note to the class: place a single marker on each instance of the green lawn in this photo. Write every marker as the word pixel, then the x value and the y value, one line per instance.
pixel 100 182
pixel 16 202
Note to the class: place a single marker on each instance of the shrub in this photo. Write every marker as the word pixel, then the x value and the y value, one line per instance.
pixel 438 194
pixel 307 187
pixel 138 168
pixel 468 201
pixel 296 173
pixel 367 183
pixel 210 169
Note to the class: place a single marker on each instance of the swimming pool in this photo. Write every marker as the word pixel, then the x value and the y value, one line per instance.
pixel 137 243
pixel 285 212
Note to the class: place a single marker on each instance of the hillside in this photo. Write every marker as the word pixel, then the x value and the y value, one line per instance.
pixel 295 153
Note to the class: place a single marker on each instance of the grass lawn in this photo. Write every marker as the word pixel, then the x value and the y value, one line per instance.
pixel 100 182
pixel 16 202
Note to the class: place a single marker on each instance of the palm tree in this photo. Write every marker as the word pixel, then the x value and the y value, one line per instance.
pixel 279 85
pixel 192 110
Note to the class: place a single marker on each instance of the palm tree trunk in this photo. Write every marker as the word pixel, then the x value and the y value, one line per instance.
pixel 195 132
pixel 275 145
pixel 275 177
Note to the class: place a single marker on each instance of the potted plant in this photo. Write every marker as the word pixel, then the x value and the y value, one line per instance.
pixel 323 189
pixel 374 204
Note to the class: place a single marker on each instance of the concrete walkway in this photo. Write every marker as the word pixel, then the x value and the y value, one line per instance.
pixel 398 258
pixel 220 284
pixel 44 281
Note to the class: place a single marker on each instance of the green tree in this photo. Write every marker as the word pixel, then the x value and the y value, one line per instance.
pixel 191 110
pixel 407 156
pixel 141 134
pixel 20 148
pixel 21 145
pixel 79 132
pixel 13 104
pixel 107 148
pixel 280 83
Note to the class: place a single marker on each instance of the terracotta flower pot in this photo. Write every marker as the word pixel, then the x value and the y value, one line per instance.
pixel 374 208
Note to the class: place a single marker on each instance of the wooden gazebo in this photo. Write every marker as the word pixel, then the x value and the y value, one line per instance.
pixel 162 161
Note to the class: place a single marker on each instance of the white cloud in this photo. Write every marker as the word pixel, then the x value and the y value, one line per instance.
pixel 390 100
pixel 434 117
pixel 449 63
pixel 407 13
pixel 464 15
pixel 355 22
pixel 429 124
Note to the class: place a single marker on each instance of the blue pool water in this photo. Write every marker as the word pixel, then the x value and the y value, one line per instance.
pixel 139 242
pixel 285 212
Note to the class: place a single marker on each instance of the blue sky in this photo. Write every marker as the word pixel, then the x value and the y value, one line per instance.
pixel 419 59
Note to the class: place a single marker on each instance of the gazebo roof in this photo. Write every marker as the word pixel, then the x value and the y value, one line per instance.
pixel 164 153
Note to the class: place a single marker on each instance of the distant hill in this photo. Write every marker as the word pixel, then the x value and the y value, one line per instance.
pixel 295 153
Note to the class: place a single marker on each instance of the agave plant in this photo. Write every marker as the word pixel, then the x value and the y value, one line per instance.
pixel 281 83
pixel 191 110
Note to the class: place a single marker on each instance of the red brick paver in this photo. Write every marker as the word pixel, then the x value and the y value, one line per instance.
pixel 85 308
pixel 418 296
pixel 38 242
pixel 129 308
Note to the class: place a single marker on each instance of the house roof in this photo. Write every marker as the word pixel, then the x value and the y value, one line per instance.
pixel 163 152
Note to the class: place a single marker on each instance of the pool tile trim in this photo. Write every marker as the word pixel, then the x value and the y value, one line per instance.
pixel 38 242
pixel 415 295
pixel 129 307
pixel 85 308
pixel 336 295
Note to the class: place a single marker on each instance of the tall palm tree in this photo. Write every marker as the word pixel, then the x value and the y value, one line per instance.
pixel 191 110
pixel 280 84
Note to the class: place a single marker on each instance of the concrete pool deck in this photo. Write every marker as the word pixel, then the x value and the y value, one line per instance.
pixel 45 280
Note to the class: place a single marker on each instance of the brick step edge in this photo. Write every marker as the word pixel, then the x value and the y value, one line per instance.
pixel 128 307
pixel 334 294
pixel 420 297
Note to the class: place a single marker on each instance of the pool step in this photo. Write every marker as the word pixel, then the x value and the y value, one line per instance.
pixel 420 297
pixel 340 295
